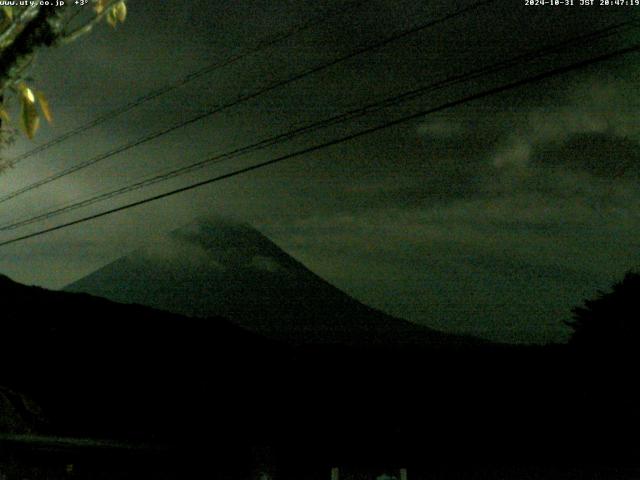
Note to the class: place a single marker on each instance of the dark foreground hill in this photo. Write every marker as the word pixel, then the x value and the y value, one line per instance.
pixel 222 267
pixel 214 391
pixel 102 368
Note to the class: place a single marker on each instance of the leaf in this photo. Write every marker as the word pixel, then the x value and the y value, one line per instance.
pixel 121 11
pixel 26 93
pixel 44 106
pixel 4 115
pixel 8 12
pixel 99 6
pixel 29 119
pixel 112 18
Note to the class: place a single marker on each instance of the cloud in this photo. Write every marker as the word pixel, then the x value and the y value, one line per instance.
pixel 599 108
pixel 178 251
pixel 515 152
pixel 507 267
pixel 599 154
pixel 444 129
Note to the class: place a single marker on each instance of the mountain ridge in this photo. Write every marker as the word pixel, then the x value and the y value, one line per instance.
pixel 129 372
pixel 224 267
pixel 102 368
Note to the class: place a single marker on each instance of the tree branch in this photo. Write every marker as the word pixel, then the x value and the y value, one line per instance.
pixel 43 30
pixel 87 27
pixel 25 16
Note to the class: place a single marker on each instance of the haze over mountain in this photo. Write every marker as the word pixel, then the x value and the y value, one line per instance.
pixel 223 267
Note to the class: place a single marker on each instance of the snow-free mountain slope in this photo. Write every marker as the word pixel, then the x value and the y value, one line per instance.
pixel 222 267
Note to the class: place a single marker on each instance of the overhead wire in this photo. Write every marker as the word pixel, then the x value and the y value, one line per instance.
pixel 262 44
pixel 635 48
pixel 244 98
pixel 336 119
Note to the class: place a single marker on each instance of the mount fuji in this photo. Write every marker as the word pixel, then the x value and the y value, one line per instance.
pixel 227 268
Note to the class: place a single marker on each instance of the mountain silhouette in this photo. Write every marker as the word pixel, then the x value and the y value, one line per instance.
pixel 102 368
pixel 78 365
pixel 223 267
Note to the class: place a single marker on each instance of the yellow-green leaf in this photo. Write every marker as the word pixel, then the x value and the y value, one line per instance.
pixel 29 119
pixel 44 106
pixel 8 12
pixel 121 11
pixel 112 17
pixel 99 6
pixel 26 93
pixel 4 115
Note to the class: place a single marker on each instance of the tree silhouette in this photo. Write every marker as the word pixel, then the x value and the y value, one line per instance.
pixel 606 341
pixel 610 322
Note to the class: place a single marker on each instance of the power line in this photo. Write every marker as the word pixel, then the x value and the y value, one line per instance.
pixel 244 98
pixel 262 44
pixel 349 115
pixel 492 91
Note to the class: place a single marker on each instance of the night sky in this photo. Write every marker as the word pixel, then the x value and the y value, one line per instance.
pixel 492 218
